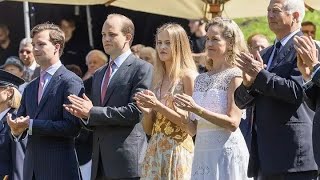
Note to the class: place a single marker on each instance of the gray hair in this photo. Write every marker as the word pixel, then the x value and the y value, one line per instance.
pixel 25 41
pixel 295 6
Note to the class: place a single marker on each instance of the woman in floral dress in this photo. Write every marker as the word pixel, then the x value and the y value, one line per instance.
pixel 170 151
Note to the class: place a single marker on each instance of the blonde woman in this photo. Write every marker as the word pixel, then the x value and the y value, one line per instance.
pixel 10 166
pixel 220 150
pixel 170 151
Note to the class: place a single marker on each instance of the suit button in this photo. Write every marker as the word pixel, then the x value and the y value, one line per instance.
pixel 98 139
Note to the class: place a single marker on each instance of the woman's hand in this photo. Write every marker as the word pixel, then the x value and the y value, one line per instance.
pixel 185 102
pixel 146 101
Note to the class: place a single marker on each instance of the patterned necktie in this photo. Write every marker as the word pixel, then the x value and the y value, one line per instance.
pixel 41 85
pixel 105 83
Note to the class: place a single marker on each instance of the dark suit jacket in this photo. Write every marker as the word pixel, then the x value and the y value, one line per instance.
pixel 50 150
pixel 6 153
pixel 114 140
pixel 312 97
pixel 282 130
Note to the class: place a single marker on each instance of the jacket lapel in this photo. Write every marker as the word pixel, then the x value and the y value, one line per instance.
pixel 50 87
pixel 285 51
pixel 122 71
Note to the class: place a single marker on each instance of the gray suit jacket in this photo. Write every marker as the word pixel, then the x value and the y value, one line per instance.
pixel 115 140
pixel 282 129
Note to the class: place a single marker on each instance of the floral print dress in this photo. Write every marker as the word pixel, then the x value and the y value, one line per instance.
pixel 170 150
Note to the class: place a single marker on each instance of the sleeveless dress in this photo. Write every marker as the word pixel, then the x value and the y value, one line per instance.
pixel 170 150
pixel 219 153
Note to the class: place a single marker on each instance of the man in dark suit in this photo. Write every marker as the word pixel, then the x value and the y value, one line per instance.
pixel 50 152
pixel 282 129
pixel 309 66
pixel 113 113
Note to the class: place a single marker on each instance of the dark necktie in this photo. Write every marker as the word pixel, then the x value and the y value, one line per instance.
pixel 276 53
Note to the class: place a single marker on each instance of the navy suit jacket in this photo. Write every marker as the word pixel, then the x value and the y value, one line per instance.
pixel 282 129
pixel 312 97
pixel 50 152
pixel 5 148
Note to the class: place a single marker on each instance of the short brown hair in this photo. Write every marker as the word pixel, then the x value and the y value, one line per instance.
pixel 56 34
pixel 127 25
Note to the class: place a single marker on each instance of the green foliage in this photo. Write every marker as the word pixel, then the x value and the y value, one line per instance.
pixel 260 25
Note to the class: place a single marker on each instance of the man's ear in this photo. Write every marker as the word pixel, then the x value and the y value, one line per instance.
pixel 57 48
pixel 296 16
pixel 129 37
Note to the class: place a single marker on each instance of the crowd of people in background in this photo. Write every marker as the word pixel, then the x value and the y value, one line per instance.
pixel 206 106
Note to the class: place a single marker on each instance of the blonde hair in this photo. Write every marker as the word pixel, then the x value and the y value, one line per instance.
pixel 234 37
pixel 15 99
pixel 99 53
pixel 150 51
pixel 181 54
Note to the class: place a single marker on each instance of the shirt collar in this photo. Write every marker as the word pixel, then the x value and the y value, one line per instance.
pixel 3 113
pixel 120 59
pixel 53 68
pixel 32 67
pixel 284 40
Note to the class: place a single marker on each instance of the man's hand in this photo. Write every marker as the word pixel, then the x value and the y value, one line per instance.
pixel 307 51
pixel 18 125
pixel 79 107
pixel 249 66
pixel 303 68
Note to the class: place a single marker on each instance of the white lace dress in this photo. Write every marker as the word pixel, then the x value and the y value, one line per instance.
pixel 219 154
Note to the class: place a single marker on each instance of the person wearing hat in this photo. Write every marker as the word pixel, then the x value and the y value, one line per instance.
pixel 15 66
pixel 9 101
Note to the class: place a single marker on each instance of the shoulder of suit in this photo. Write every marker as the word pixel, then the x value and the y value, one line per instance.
pixel 262 52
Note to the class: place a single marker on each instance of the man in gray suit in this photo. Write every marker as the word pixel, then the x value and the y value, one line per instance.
pixel 112 113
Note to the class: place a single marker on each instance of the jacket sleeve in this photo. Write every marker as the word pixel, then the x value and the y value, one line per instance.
pixel 244 98
pixel 285 89
pixel 69 125
pixel 129 114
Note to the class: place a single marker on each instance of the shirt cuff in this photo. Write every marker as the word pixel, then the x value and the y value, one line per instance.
pixel 30 127
pixel 16 138
pixel 85 122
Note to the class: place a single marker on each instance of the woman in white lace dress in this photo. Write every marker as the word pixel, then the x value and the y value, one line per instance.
pixel 220 150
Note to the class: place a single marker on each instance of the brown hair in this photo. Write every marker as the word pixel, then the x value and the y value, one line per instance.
pixel 127 25
pixel 233 35
pixel 56 34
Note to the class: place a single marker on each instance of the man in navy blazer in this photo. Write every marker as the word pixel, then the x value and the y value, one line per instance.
pixel 309 66
pixel 50 152
pixel 282 129
pixel 118 141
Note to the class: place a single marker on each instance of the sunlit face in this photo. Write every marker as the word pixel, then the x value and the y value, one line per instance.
pixel 113 39
pixel 309 30
pixel 163 46
pixel 26 54
pixel 5 94
pixel 258 43
pixel 94 62
pixel 13 70
pixel 43 49
pixel 147 56
pixel 216 44
pixel 279 20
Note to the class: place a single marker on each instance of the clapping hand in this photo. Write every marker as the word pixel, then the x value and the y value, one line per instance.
pixel 250 66
pixel 18 125
pixel 185 102
pixel 146 100
pixel 79 107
